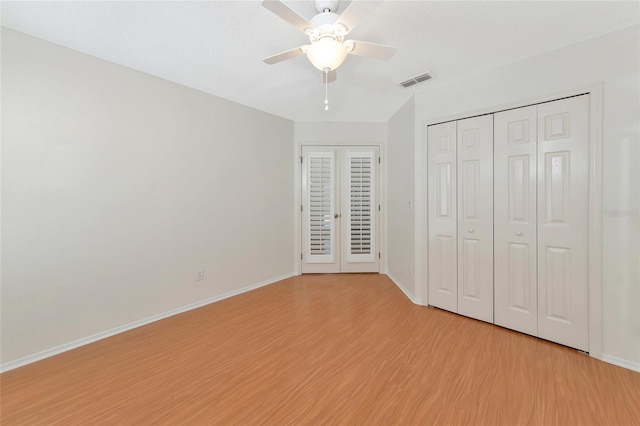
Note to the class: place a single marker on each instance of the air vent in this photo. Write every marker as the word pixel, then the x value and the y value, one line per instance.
pixel 416 80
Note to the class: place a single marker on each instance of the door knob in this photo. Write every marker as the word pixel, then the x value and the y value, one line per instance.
pixel 470 230
pixel 519 234
pixel 335 216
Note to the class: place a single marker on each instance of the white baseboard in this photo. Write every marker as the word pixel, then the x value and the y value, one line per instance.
pixel 10 365
pixel 404 290
pixel 620 362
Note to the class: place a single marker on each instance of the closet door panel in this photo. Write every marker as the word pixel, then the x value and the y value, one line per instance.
pixel 563 149
pixel 442 222
pixel 515 281
pixel 475 217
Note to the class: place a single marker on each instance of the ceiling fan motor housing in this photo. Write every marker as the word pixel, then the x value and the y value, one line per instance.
pixel 325 26
pixel 326 5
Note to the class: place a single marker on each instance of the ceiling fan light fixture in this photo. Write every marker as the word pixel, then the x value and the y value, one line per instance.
pixel 326 53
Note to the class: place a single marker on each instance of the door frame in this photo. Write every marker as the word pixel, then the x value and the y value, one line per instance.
pixel 381 226
pixel 595 92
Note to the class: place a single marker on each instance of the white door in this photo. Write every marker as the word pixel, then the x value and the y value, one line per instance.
pixel 319 226
pixel 563 152
pixel 442 216
pixel 340 209
pixel 515 235
pixel 475 217
pixel 358 212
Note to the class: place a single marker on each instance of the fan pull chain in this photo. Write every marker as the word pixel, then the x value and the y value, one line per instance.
pixel 326 89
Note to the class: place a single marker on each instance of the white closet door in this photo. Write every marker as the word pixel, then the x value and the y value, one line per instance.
pixel 320 232
pixel 359 210
pixel 442 222
pixel 563 149
pixel 515 281
pixel 475 217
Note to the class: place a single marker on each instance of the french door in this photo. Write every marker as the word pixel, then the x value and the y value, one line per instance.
pixel 340 206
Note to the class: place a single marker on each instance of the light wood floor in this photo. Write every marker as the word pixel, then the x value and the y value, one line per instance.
pixel 321 349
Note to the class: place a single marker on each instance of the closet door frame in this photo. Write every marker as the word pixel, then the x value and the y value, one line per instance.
pixel 595 198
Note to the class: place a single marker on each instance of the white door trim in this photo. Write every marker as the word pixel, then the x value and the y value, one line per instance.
pixel 595 198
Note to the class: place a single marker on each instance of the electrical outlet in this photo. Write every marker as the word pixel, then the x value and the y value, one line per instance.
pixel 200 274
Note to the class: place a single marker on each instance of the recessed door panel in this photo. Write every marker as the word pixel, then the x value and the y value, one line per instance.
pixel 515 281
pixel 475 217
pixel 563 176
pixel 444 254
pixel 442 216
pixel 521 287
pixel 471 288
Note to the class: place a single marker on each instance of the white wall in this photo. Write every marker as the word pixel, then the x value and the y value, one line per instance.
pixel 340 133
pixel 117 186
pixel 400 197
pixel 614 60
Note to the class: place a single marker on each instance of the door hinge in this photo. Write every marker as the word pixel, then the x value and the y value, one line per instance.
pixel 378 207
pixel 379 160
pixel 379 255
pixel 301 159
pixel 300 256
pixel 300 208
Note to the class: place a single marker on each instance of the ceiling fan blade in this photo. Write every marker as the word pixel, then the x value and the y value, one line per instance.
pixel 287 14
pixel 372 50
pixel 357 10
pixel 329 77
pixel 283 56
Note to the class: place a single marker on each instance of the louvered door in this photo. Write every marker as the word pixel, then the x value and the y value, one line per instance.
pixel 340 209
pixel 358 209
pixel 319 208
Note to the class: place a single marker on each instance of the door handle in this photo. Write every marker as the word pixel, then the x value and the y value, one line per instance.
pixel 519 234
pixel 470 230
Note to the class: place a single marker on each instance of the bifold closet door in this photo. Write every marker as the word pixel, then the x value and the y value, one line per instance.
pixel 515 236
pixel 475 217
pixel 563 225
pixel 442 216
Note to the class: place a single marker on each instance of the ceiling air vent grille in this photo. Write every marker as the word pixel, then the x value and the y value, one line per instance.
pixel 416 80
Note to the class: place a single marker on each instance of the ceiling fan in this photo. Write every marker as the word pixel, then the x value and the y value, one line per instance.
pixel 326 31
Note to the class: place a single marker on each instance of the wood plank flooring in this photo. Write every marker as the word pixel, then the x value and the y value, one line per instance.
pixel 320 349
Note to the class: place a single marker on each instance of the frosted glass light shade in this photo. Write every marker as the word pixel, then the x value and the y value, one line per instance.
pixel 326 53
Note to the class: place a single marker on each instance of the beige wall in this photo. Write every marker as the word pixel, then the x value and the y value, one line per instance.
pixel 117 186
pixel 400 197
pixel 613 60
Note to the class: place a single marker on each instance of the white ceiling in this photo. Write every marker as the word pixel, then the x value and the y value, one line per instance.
pixel 217 46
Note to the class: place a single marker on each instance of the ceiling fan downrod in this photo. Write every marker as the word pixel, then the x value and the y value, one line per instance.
pixel 326 89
